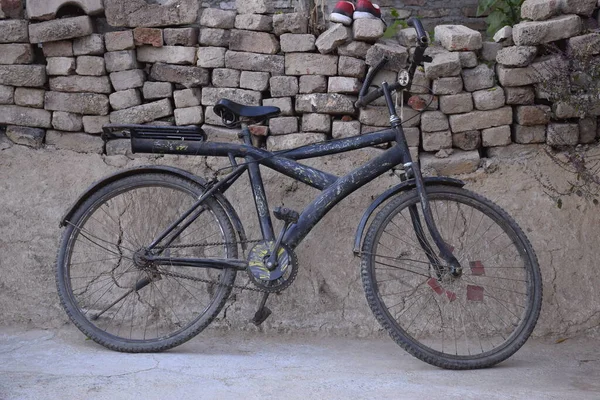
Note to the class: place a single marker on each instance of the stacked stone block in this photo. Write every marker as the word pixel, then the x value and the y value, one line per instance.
pixel 78 83
pixel 363 53
pixel 221 43
pixel 137 100
pixel 299 49
pixel 150 71
pixel 444 89
pixel 521 68
pixel 21 86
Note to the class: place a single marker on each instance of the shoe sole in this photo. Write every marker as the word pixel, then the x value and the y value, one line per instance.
pixel 340 18
pixel 364 15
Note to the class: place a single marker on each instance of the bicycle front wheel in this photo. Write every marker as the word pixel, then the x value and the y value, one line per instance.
pixel 123 304
pixel 473 321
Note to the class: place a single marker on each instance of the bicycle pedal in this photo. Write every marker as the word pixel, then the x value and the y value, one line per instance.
pixel 286 215
pixel 261 316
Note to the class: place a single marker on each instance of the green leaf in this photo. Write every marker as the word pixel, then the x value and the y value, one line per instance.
pixel 431 36
pixel 485 5
pixel 496 20
pixel 392 30
pixel 515 5
pixel 395 13
pixel 502 8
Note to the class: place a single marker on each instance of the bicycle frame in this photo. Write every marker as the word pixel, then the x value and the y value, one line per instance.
pixel 334 189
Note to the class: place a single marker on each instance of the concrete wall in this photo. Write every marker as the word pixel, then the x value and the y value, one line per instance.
pixel 37 186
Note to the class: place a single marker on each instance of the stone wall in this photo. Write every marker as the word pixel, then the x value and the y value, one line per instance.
pixel 134 62
pixel 432 12
pixel 62 79
pixel 285 6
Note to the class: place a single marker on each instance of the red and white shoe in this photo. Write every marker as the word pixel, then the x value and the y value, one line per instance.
pixel 342 13
pixel 365 9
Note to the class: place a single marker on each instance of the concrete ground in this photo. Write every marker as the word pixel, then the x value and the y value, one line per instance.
pixel 37 364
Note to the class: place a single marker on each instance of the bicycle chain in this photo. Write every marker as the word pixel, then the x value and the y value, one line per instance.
pixel 184 246
pixel 208 281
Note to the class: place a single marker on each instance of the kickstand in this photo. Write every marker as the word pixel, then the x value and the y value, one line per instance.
pixel 263 311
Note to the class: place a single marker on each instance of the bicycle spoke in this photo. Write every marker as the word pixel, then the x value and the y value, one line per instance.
pixel 403 269
pixel 396 258
pixel 486 286
pixel 106 289
pixel 476 323
pixel 458 318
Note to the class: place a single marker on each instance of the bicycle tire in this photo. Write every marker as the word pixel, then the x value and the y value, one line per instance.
pixel 483 299
pixel 95 265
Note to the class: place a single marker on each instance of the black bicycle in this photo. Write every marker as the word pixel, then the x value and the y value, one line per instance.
pixel 150 255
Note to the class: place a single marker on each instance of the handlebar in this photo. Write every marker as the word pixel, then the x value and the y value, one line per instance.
pixel 365 98
pixel 375 94
pixel 421 34
pixel 372 96
pixel 371 75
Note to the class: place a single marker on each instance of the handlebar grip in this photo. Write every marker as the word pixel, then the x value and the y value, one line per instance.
pixel 364 100
pixel 421 34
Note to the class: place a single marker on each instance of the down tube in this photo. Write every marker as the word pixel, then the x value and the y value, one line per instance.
pixel 335 193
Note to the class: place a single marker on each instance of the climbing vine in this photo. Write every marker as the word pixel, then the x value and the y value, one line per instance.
pixel 571 79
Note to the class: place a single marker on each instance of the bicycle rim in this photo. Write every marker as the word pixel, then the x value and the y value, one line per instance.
pixel 473 321
pixel 128 308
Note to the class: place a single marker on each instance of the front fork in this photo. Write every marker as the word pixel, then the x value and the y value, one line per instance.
pixel 413 171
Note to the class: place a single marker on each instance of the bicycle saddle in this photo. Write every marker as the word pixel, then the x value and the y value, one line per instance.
pixel 230 112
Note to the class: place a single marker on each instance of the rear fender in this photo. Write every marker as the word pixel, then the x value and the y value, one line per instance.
pixel 403 187
pixel 175 172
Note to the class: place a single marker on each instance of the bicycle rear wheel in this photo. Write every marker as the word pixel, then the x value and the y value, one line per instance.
pixel 129 308
pixel 474 321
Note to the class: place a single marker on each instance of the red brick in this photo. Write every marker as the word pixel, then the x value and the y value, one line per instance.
pixel 12 8
pixel 258 130
pixel 148 36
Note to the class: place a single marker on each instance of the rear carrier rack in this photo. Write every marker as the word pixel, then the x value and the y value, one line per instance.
pixel 155 139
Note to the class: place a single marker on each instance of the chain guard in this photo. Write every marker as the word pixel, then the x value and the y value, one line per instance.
pixel 281 277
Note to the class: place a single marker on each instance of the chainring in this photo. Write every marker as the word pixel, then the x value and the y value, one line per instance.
pixel 281 277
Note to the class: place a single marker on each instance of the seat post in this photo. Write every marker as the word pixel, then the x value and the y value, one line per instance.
pixel 258 189
pixel 245 134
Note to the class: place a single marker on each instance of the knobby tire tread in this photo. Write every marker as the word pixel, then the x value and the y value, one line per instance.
pixel 118 345
pixel 411 345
